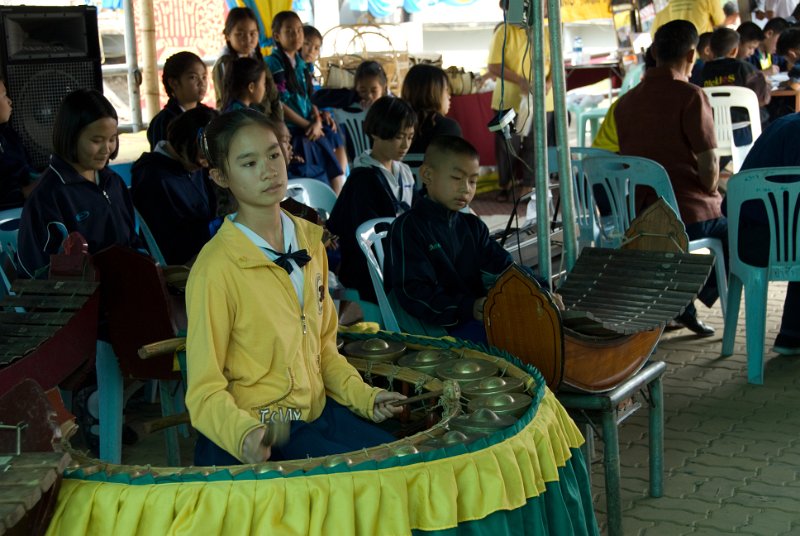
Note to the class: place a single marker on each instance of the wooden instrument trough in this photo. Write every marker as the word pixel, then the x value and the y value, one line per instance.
pixel 617 303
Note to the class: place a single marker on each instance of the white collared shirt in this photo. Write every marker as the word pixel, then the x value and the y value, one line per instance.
pixel 289 241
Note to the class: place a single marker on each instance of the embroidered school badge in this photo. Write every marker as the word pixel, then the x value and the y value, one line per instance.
pixel 320 293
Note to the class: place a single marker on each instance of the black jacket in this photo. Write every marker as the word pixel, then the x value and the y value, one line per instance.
pixel 63 202
pixel 365 195
pixel 15 169
pixel 174 203
pixel 438 262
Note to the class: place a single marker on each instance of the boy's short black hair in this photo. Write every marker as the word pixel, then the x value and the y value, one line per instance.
pixel 723 41
pixel 789 40
pixel 448 144
pixel 703 41
pixel 674 40
pixel 77 111
pixel 387 116
pixel 776 25
pixel 749 31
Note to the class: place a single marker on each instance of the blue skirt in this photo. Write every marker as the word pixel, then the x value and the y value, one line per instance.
pixel 336 431
pixel 320 158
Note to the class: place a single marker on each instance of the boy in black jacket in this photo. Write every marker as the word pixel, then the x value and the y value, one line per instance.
pixel 442 261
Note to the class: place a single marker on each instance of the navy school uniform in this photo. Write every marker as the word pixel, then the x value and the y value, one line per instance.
pixel 64 202
pixel 15 169
pixel 176 205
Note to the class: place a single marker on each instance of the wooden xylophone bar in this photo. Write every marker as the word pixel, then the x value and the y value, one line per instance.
pixel 626 291
pixel 48 328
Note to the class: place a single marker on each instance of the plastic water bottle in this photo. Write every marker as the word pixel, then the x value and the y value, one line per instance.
pixel 577 50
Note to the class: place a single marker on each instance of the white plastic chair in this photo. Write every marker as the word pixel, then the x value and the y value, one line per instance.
pixel 313 193
pixel 619 176
pixel 414 161
pixel 722 99
pixel 782 201
pixel 354 125
pixel 593 115
pixel 369 240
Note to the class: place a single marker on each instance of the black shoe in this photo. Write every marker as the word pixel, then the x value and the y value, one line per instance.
pixel 691 322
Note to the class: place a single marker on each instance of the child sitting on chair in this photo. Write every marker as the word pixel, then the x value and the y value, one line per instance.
pixel 261 346
pixel 442 261
pixel 380 186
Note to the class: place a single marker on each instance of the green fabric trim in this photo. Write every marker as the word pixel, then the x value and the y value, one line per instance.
pixel 564 508
pixel 539 389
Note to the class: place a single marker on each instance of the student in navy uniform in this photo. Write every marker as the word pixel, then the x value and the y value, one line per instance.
pixel 185 80
pixel 171 191
pixel 77 192
pixel 16 173
pixel 379 186
pixel 427 89
pixel 441 261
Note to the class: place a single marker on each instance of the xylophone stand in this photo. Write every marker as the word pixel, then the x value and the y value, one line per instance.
pixel 588 408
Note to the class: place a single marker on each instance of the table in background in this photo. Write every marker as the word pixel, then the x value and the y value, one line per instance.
pixel 597 70
pixel 789 93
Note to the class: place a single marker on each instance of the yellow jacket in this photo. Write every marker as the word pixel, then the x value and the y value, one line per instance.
pixel 252 354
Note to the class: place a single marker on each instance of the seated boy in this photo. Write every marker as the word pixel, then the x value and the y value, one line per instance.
pixel 789 47
pixel 750 38
pixel 728 70
pixel 765 58
pixel 441 261
pixel 704 55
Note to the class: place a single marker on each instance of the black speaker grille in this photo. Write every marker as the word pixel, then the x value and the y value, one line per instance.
pixel 37 90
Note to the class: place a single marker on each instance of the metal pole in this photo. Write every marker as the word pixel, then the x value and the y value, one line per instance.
pixel 149 60
pixel 539 131
pixel 562 136
pixel 132 64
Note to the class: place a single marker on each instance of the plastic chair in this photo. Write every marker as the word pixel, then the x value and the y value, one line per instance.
pixel 414 161
pixel 369 238
pixel 619 176
pixel 123 169
pixel 138 314
pixel 782 201
pixel 354 125
pixel 594 115
pixel 722 99
pixel 585 211
pixel 149 239
pixel 313 193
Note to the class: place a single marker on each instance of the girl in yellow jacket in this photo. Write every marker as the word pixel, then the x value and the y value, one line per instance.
pixel 261 341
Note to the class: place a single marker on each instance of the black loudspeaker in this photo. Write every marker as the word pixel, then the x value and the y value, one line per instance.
pixel 46 53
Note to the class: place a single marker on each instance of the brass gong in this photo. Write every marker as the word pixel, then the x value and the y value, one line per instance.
pixel 375 350
pixel 483 421
pixel 466 370
pixel 494 385
pixel 426 360
pixel 511 404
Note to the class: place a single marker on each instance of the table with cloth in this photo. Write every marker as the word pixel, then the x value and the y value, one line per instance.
pixel 530 478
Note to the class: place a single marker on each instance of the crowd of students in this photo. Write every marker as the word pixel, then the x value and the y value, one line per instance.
pixel 261 345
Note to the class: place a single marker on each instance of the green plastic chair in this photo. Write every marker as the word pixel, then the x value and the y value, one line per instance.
pixel 619 176
pixel 781 200
pixel 593 116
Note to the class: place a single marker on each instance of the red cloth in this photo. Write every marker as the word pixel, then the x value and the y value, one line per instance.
pixel 473 112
